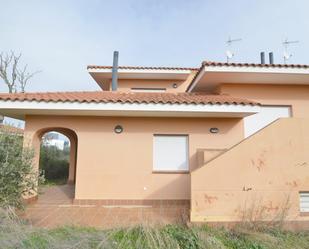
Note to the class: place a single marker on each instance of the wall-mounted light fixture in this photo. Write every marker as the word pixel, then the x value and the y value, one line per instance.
pixel 118 129
pixel 214 130
pixel 175 85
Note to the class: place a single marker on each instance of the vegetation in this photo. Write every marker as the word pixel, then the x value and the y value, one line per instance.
pixel 17 176
pixel 15 234
pixel 55 164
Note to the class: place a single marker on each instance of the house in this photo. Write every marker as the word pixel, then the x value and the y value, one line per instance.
pixel 222 137
pixel 11 129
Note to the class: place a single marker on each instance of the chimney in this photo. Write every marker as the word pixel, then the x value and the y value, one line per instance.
pixel 115 72
pixel 271 58
pixel 262 57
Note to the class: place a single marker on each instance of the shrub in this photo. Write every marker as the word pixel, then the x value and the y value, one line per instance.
pixel 54 163
pixel 186 238
pixel 17 175
pixel 169 237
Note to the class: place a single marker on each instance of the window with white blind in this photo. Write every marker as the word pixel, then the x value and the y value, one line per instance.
pixel 304 201
pixel 170 153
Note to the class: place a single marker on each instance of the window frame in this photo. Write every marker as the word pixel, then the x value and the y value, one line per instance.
pixel 171 171
pixel 148 90
pixel 304 212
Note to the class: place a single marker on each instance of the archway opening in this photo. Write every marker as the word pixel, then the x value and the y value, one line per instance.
pixel 56 157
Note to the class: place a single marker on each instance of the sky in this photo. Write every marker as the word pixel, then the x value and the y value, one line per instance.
pixel 62 37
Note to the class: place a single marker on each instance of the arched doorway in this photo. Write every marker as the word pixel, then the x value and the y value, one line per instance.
pixel 70 175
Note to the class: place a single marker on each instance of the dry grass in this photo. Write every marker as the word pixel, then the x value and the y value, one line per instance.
pixel 14 233
pixel 255 216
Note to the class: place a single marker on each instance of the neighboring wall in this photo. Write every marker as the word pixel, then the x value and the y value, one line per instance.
pixel 296 96
pixel 119 166
pixel 259 178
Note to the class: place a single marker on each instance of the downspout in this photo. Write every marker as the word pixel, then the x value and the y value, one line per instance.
pixel 115 72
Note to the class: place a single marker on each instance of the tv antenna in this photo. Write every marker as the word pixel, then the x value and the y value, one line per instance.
pixel 229 54
pixel 286 55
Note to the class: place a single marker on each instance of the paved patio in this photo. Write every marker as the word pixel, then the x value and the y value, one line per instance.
pixel 55 207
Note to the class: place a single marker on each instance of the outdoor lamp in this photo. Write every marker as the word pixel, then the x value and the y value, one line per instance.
pixel 214 130
pixel 118 129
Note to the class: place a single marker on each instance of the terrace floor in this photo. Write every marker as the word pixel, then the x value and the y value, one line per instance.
pixel 55 207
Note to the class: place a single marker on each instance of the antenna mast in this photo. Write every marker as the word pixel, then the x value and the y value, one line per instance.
pixel 229 54
pixel 286 55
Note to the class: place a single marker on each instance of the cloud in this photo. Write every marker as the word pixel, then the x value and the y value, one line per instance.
pixel 62 37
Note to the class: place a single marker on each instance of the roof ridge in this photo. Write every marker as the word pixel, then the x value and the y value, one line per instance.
pixel 143 67
pixel 248 64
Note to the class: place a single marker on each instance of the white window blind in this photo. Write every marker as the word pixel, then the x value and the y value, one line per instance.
pixel 170 153
pixel 304 201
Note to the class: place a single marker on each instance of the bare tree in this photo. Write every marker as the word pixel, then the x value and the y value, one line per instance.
pixel 15 78
pixel 23 77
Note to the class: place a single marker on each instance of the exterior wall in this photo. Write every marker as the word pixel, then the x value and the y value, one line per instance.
pixel 296 96
pixel 260 177
pixel 126 84
pixel 119 166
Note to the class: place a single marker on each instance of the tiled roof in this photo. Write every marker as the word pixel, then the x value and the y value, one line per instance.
pixel 143 68
pixel 226 64
pixel 121 97
pixel 205 63
pixel 220 64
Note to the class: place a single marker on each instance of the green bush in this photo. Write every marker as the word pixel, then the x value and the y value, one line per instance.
pixel 17 176
pixel 54 163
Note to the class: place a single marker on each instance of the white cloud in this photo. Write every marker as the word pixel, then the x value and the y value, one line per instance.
pixel 62 37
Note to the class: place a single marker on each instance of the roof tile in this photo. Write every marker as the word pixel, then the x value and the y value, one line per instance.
pixel 122 97
pixel 143 68
pixel 220 64
pixel 11 129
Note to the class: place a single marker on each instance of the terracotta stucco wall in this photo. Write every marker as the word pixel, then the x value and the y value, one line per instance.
pixel 119 166
pixel 296 96
pixel 126 84
pixel 264 172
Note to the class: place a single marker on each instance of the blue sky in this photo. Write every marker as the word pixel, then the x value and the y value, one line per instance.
pixel 61 37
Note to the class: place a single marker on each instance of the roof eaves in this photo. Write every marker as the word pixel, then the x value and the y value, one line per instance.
pixel 226 64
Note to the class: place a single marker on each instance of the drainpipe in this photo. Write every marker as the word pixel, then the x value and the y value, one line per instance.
pixel 115 72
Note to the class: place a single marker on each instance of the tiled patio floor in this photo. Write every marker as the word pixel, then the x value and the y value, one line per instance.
pixel 55 207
